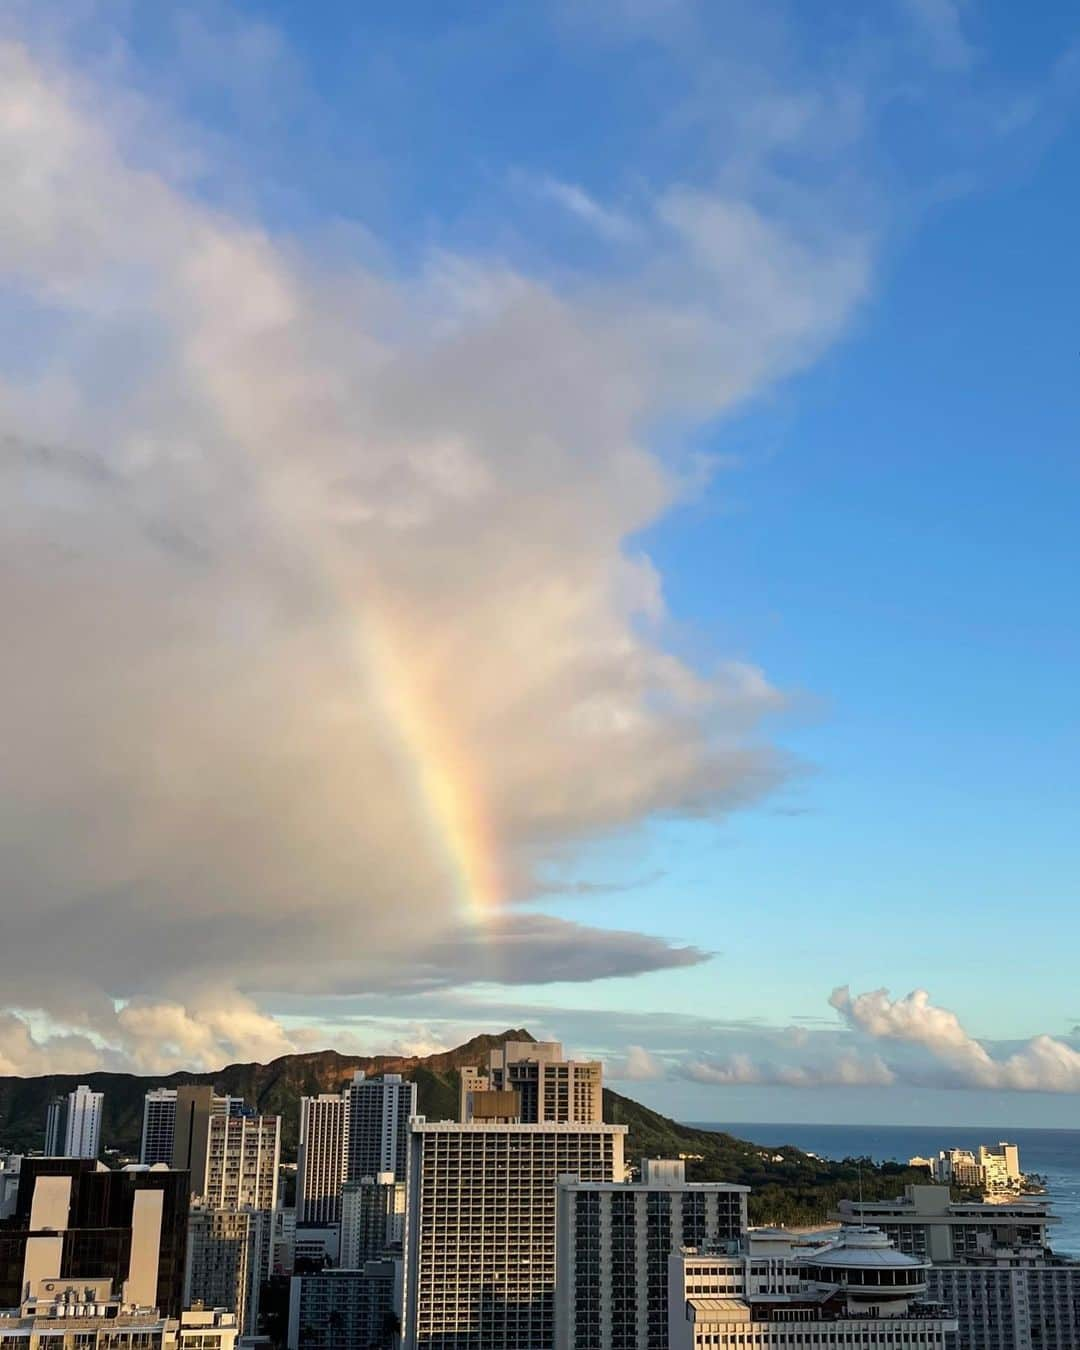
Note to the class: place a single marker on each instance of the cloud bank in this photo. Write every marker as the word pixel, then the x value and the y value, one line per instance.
pixel 325 623
pixel 882 1042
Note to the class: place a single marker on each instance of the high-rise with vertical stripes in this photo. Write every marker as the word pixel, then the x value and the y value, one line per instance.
pixel 379 1114
pixel 322 1157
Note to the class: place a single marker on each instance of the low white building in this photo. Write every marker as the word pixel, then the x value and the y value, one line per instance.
pixel 774 1291
pixel 59 1314
pixel 990 1262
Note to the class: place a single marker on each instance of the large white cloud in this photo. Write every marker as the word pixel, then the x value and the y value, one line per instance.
pixel 1042 1064
pixel 322 607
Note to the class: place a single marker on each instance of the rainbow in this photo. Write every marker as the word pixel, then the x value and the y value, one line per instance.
pixel 445 785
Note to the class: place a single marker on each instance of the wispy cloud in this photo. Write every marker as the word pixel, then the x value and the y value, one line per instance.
pixel 604 221
pixel 940 23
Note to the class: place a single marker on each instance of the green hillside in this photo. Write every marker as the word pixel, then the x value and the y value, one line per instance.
pixel 789 1186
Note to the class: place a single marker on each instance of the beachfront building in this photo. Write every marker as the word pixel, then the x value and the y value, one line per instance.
pixel 927 1223
pixel 990 1263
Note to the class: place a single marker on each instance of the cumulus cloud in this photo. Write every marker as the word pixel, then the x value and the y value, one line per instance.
pixel 151 1037
pixel 1042 1064
pixel 324 626
pixel 845 1070
pixel 638 1065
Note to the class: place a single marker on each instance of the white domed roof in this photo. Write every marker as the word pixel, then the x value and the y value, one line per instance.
pixel 862 1246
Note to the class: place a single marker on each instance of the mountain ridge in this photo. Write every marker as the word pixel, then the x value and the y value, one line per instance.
pixel 787 1185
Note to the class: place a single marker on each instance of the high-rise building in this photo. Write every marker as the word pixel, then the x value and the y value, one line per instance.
pixel 191 1132
pixel 56 1127
pixel 378 1135
pixel 242 1159
pixel 472 1080
pixel 322 1158
pixel 992 1170
pixel 372 1219
pixel 196 1106
pixel 9 1183
pixel 73 1124
pixel 77 1220
pixel 480 1228
pixel 613 1243
pixel 548 1087
pixel 158 1127
pixel 226 1264
pixel 346 1309
pixel 773 1291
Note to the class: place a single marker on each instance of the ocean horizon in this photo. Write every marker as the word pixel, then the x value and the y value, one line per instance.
pixel 1052 1154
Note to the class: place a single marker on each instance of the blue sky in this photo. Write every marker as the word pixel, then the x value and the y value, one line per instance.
pixel 777 308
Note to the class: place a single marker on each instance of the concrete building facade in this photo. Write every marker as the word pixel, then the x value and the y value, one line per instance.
pixel 91 1315
pixel 242 1159
pixel 549 1088
pixel 927 1223
pixel 775 1292
pixel 481 1228
pixel 990 1262
pixel 346 1309
pixel 322 1158
pixel 81 1123
pixel 226 1261
pixel 378 1133
pixel 372 1219
pixel 158 1127
pixel 614 1241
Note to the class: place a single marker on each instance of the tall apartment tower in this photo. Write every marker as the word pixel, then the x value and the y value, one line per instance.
pixel 82 1127
pixel 242 1159
pixel 230 1234
pixel 322 1157
pixel 550 1089
pixel 196 1106
pixel 480 1229
pixel 379 1113
pixel 191 1132
pixel 372 1219
pixel 228 1261
pixel 158 1127
pixel 56 1127
pixel 614 1241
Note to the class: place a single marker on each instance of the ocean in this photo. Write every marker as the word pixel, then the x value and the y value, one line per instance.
pixel 1053 1154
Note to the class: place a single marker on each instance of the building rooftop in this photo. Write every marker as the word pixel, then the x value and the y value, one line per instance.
pixel 862 1246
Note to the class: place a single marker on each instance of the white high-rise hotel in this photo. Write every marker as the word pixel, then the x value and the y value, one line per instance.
pixel 321 1157
pixel 82 1136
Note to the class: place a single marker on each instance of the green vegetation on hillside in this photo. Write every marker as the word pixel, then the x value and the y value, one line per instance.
pixel 789 1186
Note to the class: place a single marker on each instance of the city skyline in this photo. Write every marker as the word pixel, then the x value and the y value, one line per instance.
pixel 557 519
